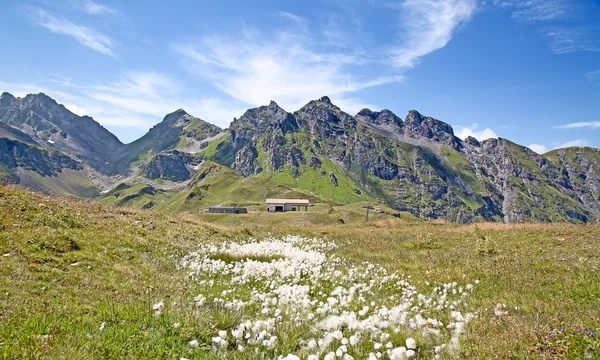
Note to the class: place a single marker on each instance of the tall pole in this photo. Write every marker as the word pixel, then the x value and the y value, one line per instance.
pixel 368 207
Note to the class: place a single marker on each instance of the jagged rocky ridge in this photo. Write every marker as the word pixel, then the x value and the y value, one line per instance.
pixel 414 164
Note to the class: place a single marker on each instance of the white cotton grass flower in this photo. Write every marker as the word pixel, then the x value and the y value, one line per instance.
pixel 194 344
pixel 102 326
pixel 158 308
pixel 329 356
pixel 289 357
pixel 304 285
pixel 398 353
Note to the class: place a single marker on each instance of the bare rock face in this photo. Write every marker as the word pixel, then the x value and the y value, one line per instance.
pixel 172 165
pixel 472 141
pixel 333 179
pixel 52 125
pixel 381 118
pixel 15 154
pixel 245 162
pixel 424 126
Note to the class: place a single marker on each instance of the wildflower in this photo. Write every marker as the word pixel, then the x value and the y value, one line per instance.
pixel 290 357
pixel 194 344
pixel 158 308
pixel 329 356
pixel 410 353
pixel 398 353
pixel 411 343
pixel 102 326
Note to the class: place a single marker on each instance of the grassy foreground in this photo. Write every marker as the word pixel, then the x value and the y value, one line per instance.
pixel 79 280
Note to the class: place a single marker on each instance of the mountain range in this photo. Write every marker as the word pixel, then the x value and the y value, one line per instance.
pixel 415 164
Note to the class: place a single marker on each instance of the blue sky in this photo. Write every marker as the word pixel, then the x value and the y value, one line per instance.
pixel 526 70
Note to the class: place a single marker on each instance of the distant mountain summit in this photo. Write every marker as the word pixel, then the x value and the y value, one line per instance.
pixel 51 125
pixel 414 164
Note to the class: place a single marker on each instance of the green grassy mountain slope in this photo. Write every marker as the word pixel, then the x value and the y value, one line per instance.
pixel 217 185
pixel 141 196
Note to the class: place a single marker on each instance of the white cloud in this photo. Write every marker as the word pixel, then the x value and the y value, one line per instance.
pixel 134 103
pixel 429 26
pixel 574 143
pixel 480 135
pixel 562 40
pixel 579 125
pixel 254 69
pixel 94 8
pixel 297 19
pixel 75 109
pixel 85 36
pixel 538 10
pixel 538 148
pixel 593 77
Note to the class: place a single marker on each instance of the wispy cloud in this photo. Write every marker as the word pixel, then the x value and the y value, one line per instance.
pixel 574 143
pixel 133 103
pixel 593 77
pixel 580 125
pixel 538 148
pixel 563 40
pixel 428 26
pixel 255 69
pixel 559 20
pixel 473 130
pixel 95 8
pixel 85 36
pixel 296 19
pixel 538 10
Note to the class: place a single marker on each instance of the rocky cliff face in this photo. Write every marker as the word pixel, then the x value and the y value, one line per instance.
pixel 52 125
pixel 16 155
pixel 169 165
pixel 415 164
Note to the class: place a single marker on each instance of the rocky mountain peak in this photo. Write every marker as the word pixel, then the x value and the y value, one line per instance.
pixel 6 100
pixel 325 99
pixel 418 125
pixel 175 115
pixel 6 96
pixel 472 141
pixel 383 117
pixel 40 98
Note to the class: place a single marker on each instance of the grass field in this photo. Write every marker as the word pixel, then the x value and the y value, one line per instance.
pixel 83 281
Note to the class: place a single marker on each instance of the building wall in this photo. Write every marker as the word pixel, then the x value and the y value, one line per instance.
pixel 227 210
pixel 286 207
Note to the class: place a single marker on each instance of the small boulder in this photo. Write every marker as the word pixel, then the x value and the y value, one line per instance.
pixel 333 179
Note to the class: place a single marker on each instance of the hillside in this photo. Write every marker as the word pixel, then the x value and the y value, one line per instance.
pixel 82 280
pixel 415 164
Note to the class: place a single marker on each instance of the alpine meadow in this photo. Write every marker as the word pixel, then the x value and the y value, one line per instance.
pixel 272 180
